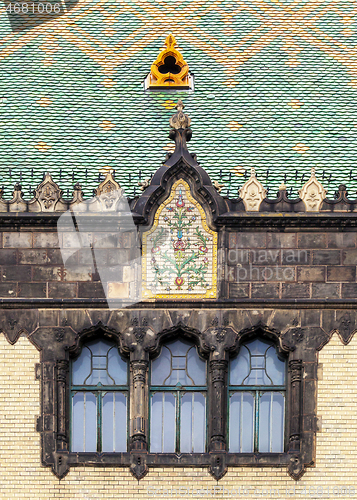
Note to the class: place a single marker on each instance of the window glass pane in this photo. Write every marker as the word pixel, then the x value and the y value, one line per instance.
pixel 271 422
pixel 239 367
pixel 161 367
pixel 84 422
pixel 193 423
pixel 90 424
pixel 275 367
pixel 178 364
pixel 81 367
pixel 163 422
pixel 114 422
pixel 117 367
pixel 241 422
pixel 78 422
pixel 257 364
pixel 196 368
pixel 99 362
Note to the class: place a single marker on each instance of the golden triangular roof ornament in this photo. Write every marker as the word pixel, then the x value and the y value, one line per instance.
pixel 169 69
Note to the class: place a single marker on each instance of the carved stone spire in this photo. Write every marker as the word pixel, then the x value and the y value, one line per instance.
pixel 180 120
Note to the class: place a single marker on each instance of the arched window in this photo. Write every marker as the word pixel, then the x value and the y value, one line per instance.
pixel 257 386
pixel 99 399
pixel 178 400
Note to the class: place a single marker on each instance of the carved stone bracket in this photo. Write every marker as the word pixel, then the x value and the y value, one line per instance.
pixel 218 465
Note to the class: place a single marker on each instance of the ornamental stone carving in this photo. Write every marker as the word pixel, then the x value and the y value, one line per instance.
pixel 312 193
pixel 108 196
pixel 47 197
pixel 17 204
pixel 252 193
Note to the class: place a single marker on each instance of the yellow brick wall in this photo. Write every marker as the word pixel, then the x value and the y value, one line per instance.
pixel 23 477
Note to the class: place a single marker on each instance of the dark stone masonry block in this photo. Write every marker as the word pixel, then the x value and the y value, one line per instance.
pixel 46 273
pixel 32 290
pixel 311 273
pixel 277 240
pixel 349 290
pixel 326 257
pixel 62 290
pixel 312 240
pixel 251 240
pixel 45 240
pixel 8 257
pixel 54 256
pixel 341 273
pixel 91 290
pixel 16 240
pixel 325 290
pixel 349 257
pixel 264 257
pixel 232 240
pixel 32 256
pixel 341 240
pixel 237 256
pixel 238 290
pixel 16 273
pixel 301 257
pixel 8 290
pixel 296 290
pixel 265 290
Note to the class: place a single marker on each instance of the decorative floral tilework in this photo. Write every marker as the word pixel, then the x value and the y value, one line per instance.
pixel 180 251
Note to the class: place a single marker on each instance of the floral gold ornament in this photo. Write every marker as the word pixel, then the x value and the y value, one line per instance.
pixel 169 69
pixel 180 251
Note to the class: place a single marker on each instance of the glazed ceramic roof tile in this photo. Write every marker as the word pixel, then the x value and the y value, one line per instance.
pixel 275 89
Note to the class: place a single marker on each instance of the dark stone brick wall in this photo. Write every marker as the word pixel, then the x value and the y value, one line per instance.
pixel 256 265
pixel 296 265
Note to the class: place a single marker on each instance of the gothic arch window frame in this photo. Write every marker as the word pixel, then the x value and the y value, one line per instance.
pixel 99 391
pixel 140 344
pixel 179 391
pixel 257 390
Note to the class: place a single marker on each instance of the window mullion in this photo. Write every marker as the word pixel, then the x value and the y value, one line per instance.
pixel 178 421
pixel 99 421
pixel 256 421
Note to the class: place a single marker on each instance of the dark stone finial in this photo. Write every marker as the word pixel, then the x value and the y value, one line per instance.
pixel 179 120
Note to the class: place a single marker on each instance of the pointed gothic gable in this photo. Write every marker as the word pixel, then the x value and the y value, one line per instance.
pixel 180 251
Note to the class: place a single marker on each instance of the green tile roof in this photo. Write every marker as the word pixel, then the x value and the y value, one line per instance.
pixel 275 89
